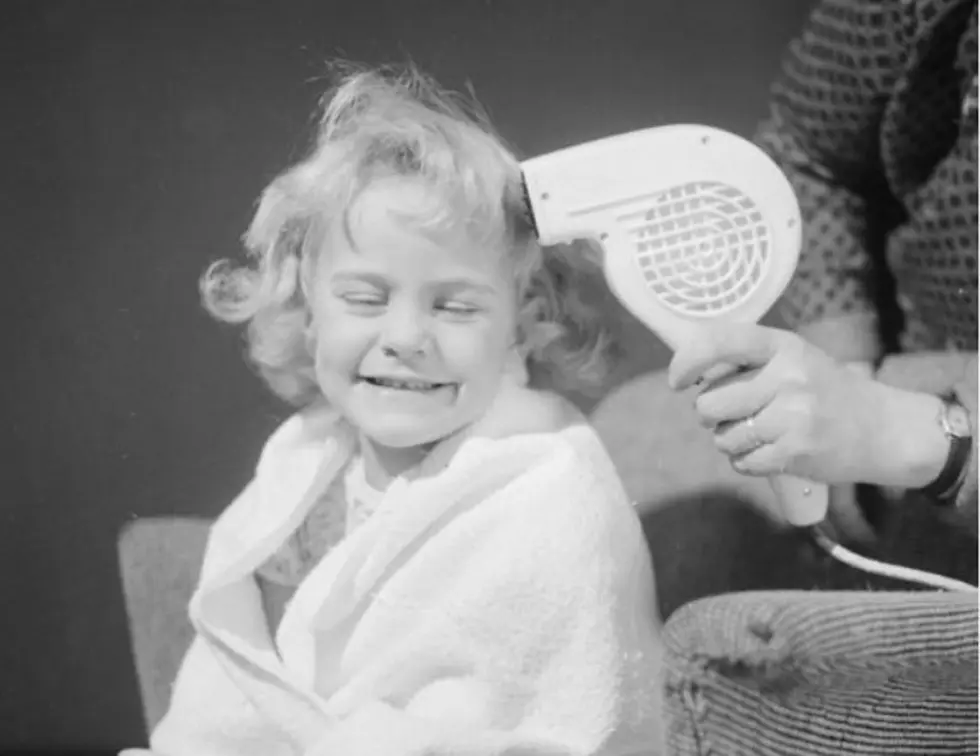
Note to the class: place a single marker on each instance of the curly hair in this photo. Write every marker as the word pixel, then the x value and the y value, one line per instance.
pixel 396 121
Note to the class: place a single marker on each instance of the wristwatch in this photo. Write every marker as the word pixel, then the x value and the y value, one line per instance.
pixel 954 419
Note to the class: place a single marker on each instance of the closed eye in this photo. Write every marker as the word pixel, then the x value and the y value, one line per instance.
pixel 364 299
pixel 458 308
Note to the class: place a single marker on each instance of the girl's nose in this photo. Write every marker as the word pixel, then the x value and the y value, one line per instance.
pixel 405 334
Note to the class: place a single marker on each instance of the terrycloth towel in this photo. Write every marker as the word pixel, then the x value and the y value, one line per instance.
pixel 502 602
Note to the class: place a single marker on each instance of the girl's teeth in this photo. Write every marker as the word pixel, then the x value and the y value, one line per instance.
pixel 406 385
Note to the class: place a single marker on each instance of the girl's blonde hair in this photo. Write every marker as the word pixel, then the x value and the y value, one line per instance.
pixel 395 121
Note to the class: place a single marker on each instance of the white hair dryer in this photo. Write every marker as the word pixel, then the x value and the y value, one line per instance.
pixel 695 224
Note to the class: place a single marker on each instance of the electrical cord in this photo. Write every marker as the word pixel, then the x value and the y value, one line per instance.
pixel 894 571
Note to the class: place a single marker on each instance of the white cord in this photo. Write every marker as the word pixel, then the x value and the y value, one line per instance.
pixel 894 571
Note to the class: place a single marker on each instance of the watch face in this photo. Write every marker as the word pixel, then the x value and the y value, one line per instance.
pixel 958 420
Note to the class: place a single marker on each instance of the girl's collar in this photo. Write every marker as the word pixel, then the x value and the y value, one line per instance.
pixel 436 460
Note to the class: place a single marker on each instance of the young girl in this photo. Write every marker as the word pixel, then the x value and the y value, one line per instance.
pixel 435 556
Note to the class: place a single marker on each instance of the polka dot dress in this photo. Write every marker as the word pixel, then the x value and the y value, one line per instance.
pixel 343 507
pixel 875 122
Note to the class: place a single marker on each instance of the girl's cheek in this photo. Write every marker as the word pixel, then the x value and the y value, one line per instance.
pixel 473 347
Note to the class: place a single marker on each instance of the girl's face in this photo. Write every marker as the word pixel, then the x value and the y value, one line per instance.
pixel 412 335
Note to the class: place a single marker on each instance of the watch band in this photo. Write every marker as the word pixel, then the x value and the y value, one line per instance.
pixel 947 484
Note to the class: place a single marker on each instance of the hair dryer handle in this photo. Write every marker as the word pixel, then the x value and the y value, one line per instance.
pixel 803 502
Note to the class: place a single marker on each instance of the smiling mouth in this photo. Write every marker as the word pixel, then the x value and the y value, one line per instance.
pixel 404 385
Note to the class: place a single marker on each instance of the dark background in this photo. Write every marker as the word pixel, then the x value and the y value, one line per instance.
pixel 135 139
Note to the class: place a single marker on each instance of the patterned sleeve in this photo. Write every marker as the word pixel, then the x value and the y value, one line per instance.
pixel 823 127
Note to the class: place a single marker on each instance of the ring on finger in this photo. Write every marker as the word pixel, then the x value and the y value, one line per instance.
pixel 751 434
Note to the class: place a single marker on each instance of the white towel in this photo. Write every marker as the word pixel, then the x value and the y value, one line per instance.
pixel 500 603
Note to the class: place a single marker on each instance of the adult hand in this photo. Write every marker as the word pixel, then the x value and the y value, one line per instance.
pixel 778 404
